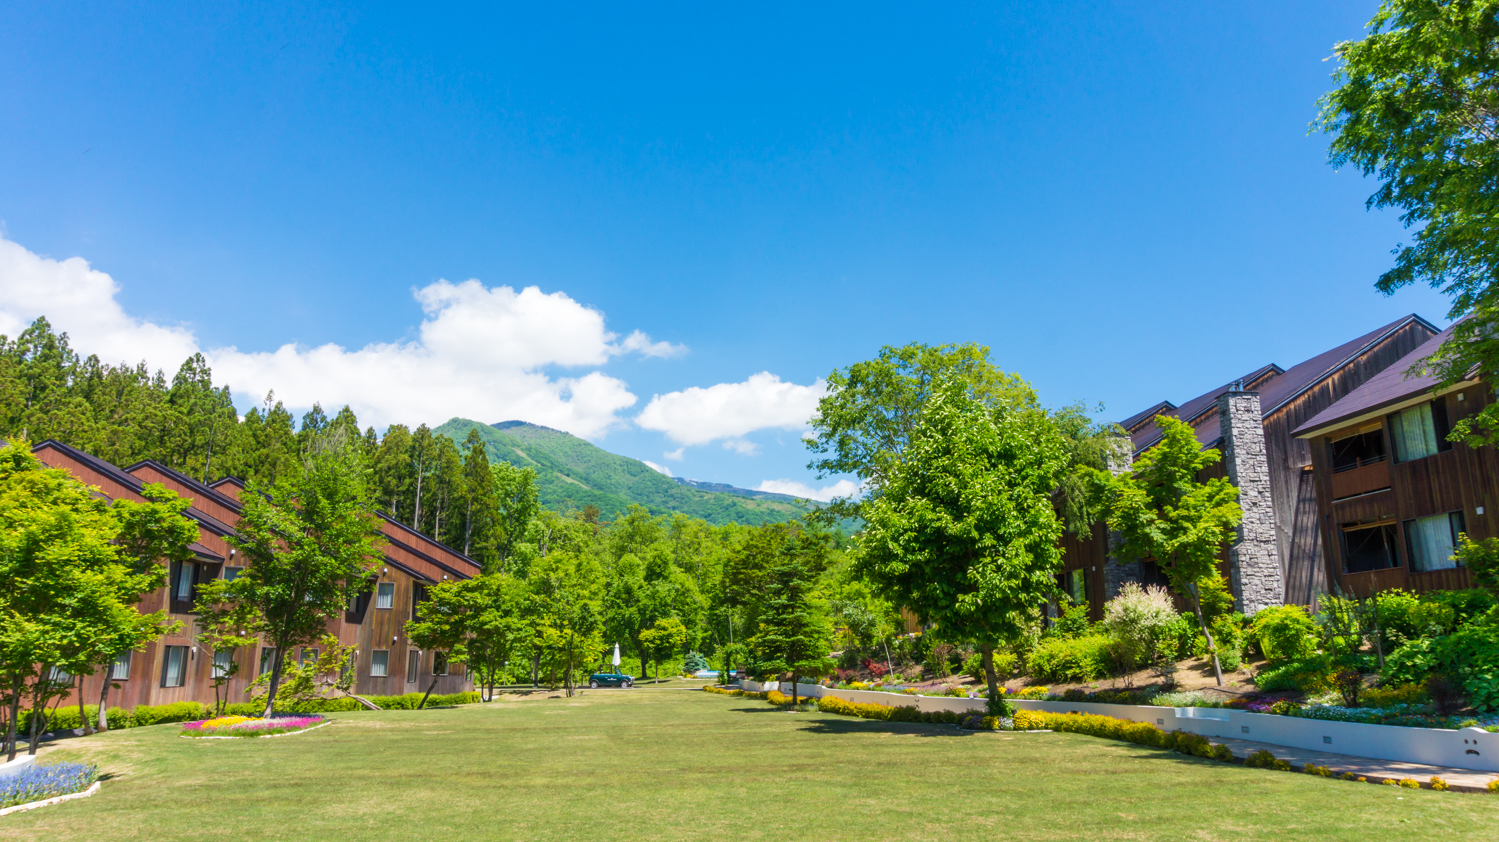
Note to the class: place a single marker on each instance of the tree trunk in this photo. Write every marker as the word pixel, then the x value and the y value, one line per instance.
pixel 38 712
pixel 270 696
pixel 83 722
pixel 1202 624
pixel 987 652
pixel 468 526
pixel 15 717
pixel 1378 642
pixel 430 688
pixel 794 698
pixel 416 510
pixel 104 698
pixel 535 668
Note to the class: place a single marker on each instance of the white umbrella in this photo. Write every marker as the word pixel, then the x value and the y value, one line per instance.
pixel 616 657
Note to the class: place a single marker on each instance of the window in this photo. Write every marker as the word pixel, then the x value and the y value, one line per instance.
pixel 267 660
pixel 1369 548
pixel 1075 583
pixel 174 666
pixel 379 663
pixel 413 663
pixel 232 573
pixel 385 595
pixel 1429 541
pixel 439 663
pixel 1420 431
pixel 223 663
pixel 418 596
pixel 182 580
pixel 309 656
pixel 121 670
pixel 1362 448
pixel 57 675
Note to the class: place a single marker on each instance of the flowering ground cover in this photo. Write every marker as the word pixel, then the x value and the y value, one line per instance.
pixel 41 782
pixel 246 726
pixel 669 764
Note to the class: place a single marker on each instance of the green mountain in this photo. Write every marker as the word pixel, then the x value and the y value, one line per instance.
pixel 571 474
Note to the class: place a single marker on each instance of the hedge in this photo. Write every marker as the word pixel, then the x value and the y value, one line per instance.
pixel 66 718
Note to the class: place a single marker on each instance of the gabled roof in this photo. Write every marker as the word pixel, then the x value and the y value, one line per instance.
pixel 1382 391
pixel 1277 387
pixel 1130 423
pixel 199 488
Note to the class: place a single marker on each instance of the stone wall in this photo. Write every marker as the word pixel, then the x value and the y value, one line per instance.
pixel 1254 558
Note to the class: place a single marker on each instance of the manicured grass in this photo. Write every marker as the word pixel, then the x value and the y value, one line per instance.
pixel 669 763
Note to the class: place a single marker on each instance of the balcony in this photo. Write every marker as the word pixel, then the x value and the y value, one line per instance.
pixel 1367 477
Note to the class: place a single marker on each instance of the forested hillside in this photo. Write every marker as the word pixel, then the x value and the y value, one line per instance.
pixel 572 474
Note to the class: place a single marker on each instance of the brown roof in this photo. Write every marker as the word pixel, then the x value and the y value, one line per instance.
pixel 1277 386
pixel 1386 388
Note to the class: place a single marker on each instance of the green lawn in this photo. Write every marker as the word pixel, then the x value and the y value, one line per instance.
pixel 669 763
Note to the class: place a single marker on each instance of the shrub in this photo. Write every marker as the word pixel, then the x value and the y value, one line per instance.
pixel 1073 622
pixel 1284 633
pixel 1263 759
pixel 1224 753
pixel 724 691
pixel 1032 693
pixel 1409 783
pixel 1140 620
pixel 174 712
pixel 973 666
pixel 1493 786
pixel 1072 659
pixel 1470 656
pixel 694 662
pixel 1438 784
pixel 1312 674
pixel 1383 697
pixel 39 783
pixel 1314 769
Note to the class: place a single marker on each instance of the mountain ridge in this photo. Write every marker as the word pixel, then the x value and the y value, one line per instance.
pixel 572 473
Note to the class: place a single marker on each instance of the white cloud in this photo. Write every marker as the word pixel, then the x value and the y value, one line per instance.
pixel 742 447
pixel 81 301
pixel 674 455
pixel 660 469
pixel 730 410
pixel 841 488
pixel 480 354
pixel 641 343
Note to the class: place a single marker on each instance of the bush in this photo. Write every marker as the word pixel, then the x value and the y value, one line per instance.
pixel 973 666
pixel 1312 674
pixel 174 712
pixel 1470 656
pixel 1284 633
pixel 1263 759
pixel 1032 693
pixel 1438 784
pixel 1383 697
pixel 1073 622
pixel 1072 659
pixel 694 662
pixel 1140 620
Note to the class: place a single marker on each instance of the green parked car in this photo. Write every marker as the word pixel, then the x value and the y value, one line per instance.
pixel 610 679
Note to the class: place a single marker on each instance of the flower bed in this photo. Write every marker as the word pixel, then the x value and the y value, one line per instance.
pixel 39 783
pixel 244 726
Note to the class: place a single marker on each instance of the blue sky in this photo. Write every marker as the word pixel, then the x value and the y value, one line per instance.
pixel 1121 200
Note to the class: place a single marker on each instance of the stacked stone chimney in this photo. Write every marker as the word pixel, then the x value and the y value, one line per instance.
pixel 1116 568
pixel 1254 559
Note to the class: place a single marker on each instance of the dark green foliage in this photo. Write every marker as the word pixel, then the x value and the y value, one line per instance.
pixel 1310 674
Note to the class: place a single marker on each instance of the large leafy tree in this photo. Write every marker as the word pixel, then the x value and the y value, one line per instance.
pixel 309 540
pixel 965 533
pixel 795 632
pixel 68 578
pixel 1417 107
pixel 1163 512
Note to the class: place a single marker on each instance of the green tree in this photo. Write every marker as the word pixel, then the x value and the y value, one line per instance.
pixel 1164 513
pixel 65 593
pixel 965 533
pixel 1417 107
pixel 662 640
pixel 794 633
pixel 310 541
pixel 514 493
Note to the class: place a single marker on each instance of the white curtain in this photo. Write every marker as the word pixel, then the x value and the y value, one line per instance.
pixel 174 665
pixel 1431 543
pixel 1415 435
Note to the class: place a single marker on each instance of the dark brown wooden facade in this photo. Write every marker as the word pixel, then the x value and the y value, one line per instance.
pixel 1394 494
pixel 1289 397
pixel 411 563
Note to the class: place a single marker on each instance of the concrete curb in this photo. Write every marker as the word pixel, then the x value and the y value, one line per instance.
pixel 21 808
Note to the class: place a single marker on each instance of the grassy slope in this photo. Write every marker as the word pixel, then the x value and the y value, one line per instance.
pixel 571 474
pixel 676 764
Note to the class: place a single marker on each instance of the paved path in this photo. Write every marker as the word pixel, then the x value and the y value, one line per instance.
pixel 1465 780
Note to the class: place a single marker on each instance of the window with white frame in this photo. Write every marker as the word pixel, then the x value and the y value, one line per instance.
pixel 413 665
pixel 173 666
pixel 1420 431
pixel 232 573
pixel 385 595
pixel 182 580
pixel 121 669
pixel 379 663
pixel 223 663
pixel 267 659
pixel 439 663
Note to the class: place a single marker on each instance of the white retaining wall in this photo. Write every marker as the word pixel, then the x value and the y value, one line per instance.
pixel 1469 748
pixel 17 766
